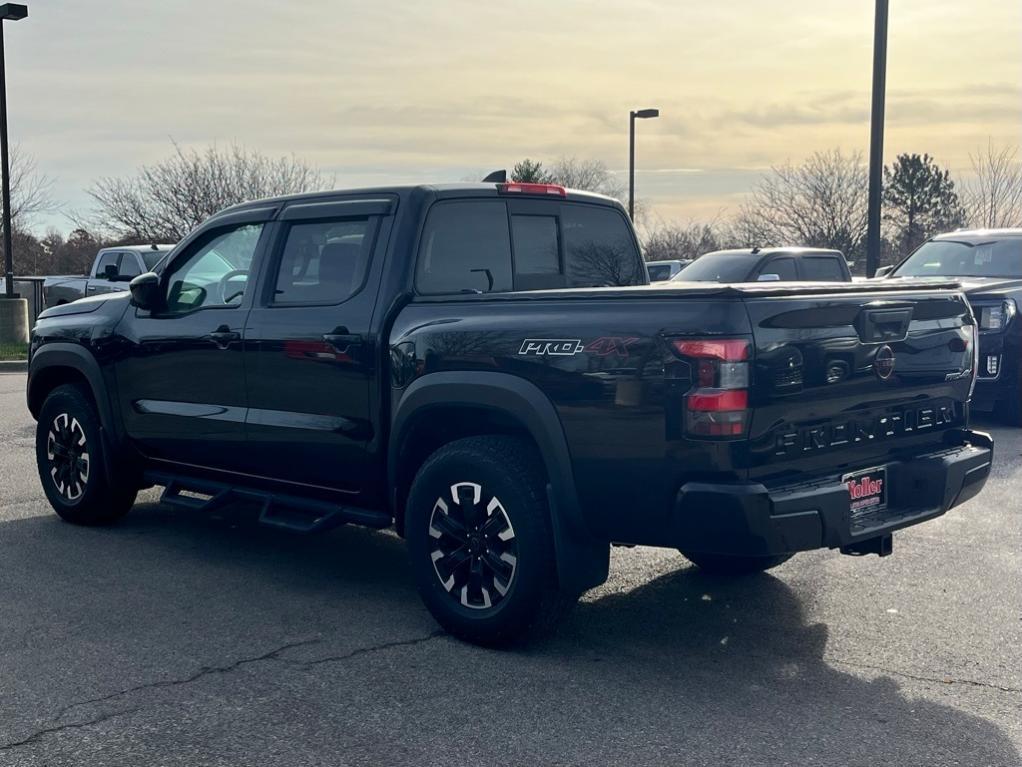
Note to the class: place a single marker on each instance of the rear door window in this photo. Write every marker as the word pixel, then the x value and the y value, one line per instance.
pixel 323 262
pixel 465 248
pixel 822 269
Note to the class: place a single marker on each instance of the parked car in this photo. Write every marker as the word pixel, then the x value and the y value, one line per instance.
pixel 659 271
pixel 989 265
pixel 768 265
pixel 378 357
pixel 112 270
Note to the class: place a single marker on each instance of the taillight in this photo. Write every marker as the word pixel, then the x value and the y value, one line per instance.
pixel 514 187
pixel 718 403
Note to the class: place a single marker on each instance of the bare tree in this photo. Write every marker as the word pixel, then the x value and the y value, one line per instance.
pixel 30 189
pixel 602 264
pixel 668 241
pixel 820 203
pixel 588 175
pixel 163 202
pixel 993 197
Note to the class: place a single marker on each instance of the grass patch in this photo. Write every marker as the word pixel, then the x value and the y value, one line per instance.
pixel 13 352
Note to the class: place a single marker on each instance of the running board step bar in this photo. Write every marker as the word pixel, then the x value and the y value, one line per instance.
pixel 299 515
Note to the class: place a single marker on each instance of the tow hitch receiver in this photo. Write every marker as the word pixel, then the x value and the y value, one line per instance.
pixel 881 546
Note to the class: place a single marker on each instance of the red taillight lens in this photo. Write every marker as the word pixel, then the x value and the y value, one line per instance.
pixel 728 350
pixel 513 187
pixel 718 403
pixel 716 400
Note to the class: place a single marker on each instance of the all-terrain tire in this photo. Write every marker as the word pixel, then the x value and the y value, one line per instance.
pixel 72 461
pixel 480 541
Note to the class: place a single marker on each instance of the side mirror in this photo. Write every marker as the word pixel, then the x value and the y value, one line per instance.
pixel 145 291
pixel 110 272
pixel 769 278
pixel 883 271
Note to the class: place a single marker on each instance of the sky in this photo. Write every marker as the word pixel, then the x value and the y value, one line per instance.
pixel 393 92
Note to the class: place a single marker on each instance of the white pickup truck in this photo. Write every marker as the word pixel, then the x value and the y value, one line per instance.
pixel 112 270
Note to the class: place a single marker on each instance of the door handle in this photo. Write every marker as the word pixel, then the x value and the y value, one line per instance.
pixel 223 337
pixel 343 343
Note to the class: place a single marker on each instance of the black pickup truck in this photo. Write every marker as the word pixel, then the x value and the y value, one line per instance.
pixel 484 368
pixel 988 265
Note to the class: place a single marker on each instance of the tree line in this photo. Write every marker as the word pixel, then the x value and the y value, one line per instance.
pixel 819 202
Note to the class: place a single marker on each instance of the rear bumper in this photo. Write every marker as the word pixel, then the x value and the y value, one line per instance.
pixel 753 520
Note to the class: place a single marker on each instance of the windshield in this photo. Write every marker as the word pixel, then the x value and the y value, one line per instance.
pixel 948 258
pixel 718 267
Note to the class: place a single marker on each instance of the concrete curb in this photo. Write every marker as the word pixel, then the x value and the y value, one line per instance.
pixel 13 366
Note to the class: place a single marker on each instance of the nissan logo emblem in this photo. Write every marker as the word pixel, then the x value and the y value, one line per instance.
pixel 883 363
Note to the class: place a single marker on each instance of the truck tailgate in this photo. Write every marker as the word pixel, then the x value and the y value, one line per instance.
pixel 850 379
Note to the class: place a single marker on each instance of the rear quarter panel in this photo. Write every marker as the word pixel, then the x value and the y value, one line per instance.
pixel 607 370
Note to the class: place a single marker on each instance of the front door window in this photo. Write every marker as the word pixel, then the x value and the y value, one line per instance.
pixel 214 274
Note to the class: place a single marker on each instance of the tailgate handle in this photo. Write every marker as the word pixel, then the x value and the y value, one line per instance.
pixel 884 325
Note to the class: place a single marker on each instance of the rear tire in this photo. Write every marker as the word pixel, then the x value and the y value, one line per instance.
pixel 720 564
pixel 72 461
pixel 480 541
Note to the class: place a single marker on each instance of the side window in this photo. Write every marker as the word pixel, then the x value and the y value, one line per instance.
pixel 659 273
pixel 537 253
pixel 822 269
pixel 323 262
pixel 599 249
pixel 784 268
pixel 129 266
pixel 107 259
pixel 466 247
pixel 215 272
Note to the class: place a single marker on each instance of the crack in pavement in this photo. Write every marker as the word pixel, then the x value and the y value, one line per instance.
pixel 366 650
pixel 920 678
pixel 272 655
pixel 39 734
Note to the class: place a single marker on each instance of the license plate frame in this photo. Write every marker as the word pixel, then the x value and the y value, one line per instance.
pixel 867 490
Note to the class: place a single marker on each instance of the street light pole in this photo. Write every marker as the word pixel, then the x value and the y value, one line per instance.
pixel 876 139
pixel 8 12
pixel 641 114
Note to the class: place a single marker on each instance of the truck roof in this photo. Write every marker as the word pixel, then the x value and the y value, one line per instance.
pixel 796 251
pixel 974 236
pixel 154 248
pixel 459 189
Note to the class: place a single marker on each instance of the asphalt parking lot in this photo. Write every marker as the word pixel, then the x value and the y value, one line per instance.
pixel 177 639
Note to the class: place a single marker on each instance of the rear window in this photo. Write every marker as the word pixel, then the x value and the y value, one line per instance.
pixel 822 269
pixel 481 246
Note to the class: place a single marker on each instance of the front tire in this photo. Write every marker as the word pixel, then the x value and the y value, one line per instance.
pixel 72 461
pixel 480 541
pixel 720 564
